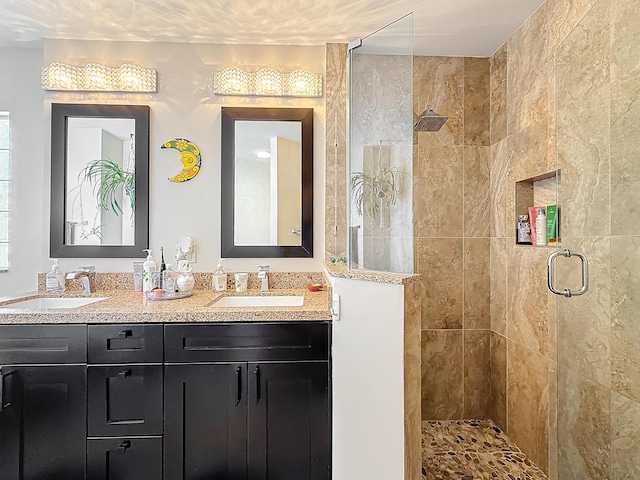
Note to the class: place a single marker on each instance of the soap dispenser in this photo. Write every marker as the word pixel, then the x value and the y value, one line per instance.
pixel 219 282
pixel 147 267
pixel 55 279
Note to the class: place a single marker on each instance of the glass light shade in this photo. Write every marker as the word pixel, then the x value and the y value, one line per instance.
pixel 267 82
pixel 303 83
pixel 231 81
pixel 95 77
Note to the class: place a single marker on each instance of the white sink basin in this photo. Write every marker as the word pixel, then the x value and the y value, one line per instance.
pixel 52 303
pixel 266 301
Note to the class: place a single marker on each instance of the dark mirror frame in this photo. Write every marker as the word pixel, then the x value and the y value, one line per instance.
pixel 229 116
pixel 60 113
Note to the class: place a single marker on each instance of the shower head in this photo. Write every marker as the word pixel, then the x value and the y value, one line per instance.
pixel 429 121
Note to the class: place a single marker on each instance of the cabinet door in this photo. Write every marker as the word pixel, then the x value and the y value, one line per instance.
pixel 289 421
pixel 43 423
pixel 205 422
pixel 125 400
pixel 124 458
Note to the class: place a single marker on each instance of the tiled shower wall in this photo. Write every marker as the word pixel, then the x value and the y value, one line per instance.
pixel 452 244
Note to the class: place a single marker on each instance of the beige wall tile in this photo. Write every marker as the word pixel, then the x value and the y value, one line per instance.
pixel 552 471
pixel 498 293
pixel 584 428
pixel 440 264
pixel 498 360
pixel 625 327
pixel 563 17
pixel 439 85
pixel 438 195
pixel 498 83
pixel 476 187
pixel 336 124
pixel 585 321
pixel 528 67
pixel 498 190
pixel 527 299
pixel 625 438
pixel 477 374
pixel 412 379
pixel 528 402
pixel 477 288
pixel 442 374
pixel 477 102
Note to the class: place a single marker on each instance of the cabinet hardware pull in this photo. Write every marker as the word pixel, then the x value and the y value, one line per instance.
pixel 1 389
pixel 124 373
pixel 256 372
pixel 238 385
pixel 125 333
pixel 124 445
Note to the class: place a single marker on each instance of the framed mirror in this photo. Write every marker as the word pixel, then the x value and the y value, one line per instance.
pixel 267 182
pixel 99 180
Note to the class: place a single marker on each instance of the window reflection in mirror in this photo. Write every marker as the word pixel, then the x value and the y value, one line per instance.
pixel 268 183
pixel 100 181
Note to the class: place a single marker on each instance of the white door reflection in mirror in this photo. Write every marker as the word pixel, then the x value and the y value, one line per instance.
pixel 100 191
pixel 268 183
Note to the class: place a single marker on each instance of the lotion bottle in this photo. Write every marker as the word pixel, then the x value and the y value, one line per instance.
pixel 55 279
pixel 219 283
pixel 541 228
pixel 147 267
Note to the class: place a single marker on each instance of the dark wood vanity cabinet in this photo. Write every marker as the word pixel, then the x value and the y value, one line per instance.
pixel 228 401
pixel 43 402
pixel 255 406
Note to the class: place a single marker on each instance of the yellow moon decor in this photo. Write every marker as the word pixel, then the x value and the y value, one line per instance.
pixel 189 156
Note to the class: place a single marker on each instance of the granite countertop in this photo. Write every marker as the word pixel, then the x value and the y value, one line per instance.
pixel 122 306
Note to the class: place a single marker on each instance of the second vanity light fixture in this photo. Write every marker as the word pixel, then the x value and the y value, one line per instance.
pixel 99 78
pixel 267 82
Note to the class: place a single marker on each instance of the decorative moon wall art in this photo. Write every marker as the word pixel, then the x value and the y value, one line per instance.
pixel 189 156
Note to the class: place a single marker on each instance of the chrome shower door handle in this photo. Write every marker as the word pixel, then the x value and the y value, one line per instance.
pixel 585 274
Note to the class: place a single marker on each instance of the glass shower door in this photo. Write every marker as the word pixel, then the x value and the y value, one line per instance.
pixel 598 333
pixel 381 149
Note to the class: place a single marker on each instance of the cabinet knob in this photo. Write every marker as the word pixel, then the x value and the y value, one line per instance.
pixel 125 334
pixel 124 445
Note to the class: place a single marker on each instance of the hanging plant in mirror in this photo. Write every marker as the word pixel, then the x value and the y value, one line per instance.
pixel 371 192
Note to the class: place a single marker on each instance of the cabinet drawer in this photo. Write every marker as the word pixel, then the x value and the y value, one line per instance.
pixel 125 343
pixel 22 344
pixel 124 458
pixel 124 400
pixel 241 342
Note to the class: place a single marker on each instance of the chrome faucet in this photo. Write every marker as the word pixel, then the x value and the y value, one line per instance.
pixel 86 275
pixel 262 275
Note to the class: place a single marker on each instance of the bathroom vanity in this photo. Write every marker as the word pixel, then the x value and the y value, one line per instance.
pixel 198 394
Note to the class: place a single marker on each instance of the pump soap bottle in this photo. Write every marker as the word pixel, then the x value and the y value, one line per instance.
pixel 55 279
pixel 147 267
pixel 219 283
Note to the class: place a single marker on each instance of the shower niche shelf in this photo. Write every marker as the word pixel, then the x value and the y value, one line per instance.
pixel 540 190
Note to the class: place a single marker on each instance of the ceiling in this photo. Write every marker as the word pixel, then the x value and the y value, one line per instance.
pixel 441 27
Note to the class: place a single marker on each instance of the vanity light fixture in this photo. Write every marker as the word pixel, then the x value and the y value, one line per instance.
pixel 263 154
pixel 267 82
pixel 99 78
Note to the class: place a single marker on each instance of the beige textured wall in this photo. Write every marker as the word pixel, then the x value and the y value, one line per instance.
pixel 452 244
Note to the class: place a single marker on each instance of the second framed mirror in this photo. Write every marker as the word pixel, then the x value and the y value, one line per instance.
pixel 267 182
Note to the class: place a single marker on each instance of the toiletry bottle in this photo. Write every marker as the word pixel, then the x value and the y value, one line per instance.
pixel 163 266
pixel 541 228
pixel 524 230
pixel 219 283
pixel 147 267
pixel 55 279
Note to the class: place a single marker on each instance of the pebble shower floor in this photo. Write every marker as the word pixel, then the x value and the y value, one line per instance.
pixel 472 450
